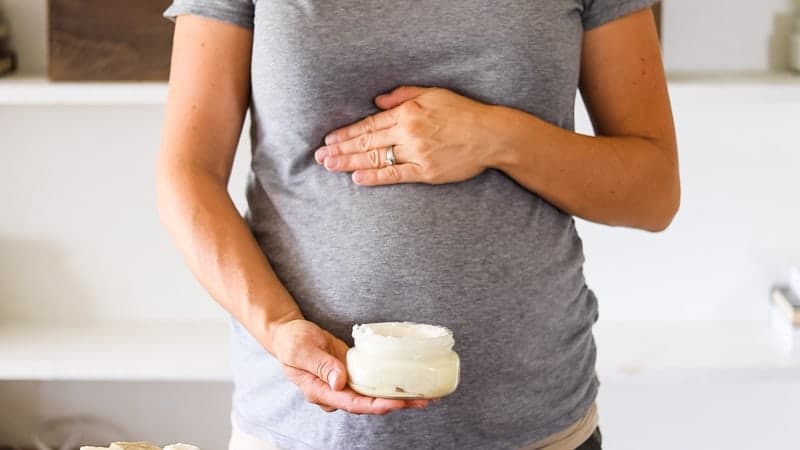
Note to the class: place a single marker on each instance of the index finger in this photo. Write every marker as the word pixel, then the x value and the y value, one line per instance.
pixel 352 402
pixel 369 124
pixel 349 400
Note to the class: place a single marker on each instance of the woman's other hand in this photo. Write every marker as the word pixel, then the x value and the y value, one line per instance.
pixel 437 136
pixel 313 359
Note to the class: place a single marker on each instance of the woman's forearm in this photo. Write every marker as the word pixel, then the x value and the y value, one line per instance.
pixel 626 181
pixel 221 251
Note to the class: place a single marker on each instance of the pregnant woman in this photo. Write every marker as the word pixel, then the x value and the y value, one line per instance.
pixel 412 160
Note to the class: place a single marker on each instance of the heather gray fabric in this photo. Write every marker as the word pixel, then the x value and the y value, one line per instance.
pixel 492 261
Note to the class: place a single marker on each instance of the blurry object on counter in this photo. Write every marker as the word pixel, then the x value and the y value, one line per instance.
pixel 8 59
pixel 69 432
pixel 794 44
pixel 108 40
pixel 785 316
pixel 787 303
pixel 794 279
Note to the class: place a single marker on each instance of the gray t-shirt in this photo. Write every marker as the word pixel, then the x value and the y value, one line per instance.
pixel 487 258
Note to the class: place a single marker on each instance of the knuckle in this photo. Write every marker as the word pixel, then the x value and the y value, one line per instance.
pixel 393 172
pixel 310 397
pixel 351 407
pixel 325 407
pixel 374 158
pixel 428 172
pixel 322 369
pixel 413 106
pixel 405 108
pixel 414 127
pixel 364 141
pixel 369 125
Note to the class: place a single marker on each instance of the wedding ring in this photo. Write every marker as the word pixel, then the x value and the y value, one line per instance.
pixel 390 156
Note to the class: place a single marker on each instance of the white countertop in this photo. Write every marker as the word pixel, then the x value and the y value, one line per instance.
pixel 22 89
pixel 36 89
pixel 200 351
pixel 135 351
pixel 691 349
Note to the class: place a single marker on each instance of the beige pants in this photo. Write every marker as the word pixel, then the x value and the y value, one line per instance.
pixel 243 441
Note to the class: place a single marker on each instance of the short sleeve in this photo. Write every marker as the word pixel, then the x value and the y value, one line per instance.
pixel 237 12
pixel 599 12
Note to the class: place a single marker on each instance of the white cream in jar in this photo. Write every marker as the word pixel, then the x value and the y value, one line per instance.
pixel 402 360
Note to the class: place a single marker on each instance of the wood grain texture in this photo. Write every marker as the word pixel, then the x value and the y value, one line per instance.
pixel 108 40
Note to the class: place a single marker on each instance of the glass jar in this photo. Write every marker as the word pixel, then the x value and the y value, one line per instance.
pixel 402 360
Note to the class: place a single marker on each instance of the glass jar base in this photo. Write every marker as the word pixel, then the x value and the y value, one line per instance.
pixel 397 394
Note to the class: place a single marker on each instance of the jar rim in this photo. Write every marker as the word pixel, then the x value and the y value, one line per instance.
pixel 397 334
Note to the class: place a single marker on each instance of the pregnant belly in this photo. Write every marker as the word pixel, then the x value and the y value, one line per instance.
pixel 435 254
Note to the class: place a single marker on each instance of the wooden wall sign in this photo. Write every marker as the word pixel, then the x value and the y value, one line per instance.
pixel 108 40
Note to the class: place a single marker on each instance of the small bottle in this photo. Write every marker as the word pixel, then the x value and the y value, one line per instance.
pixel 8 59
pixel 402 360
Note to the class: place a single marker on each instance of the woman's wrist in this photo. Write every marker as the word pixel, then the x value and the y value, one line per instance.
pixel 264 330
pixel 511 136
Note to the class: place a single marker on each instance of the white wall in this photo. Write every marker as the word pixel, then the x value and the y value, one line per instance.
pixel 737 227
pixel 727 35
pixel 80 237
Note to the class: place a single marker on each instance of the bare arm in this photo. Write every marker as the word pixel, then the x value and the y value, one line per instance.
pixel 209 95
pixel 628 174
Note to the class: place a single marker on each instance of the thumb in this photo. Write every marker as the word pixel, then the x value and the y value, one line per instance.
pixel 398 96
pixel 325 366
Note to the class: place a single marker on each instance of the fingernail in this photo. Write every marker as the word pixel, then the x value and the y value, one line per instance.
pixel 320 155
pixel 358 177
pixel 331 139
pixel 333 378
pixel 331 162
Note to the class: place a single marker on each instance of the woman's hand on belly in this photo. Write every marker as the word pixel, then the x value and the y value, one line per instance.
pixel 314 360
pixel 437 137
